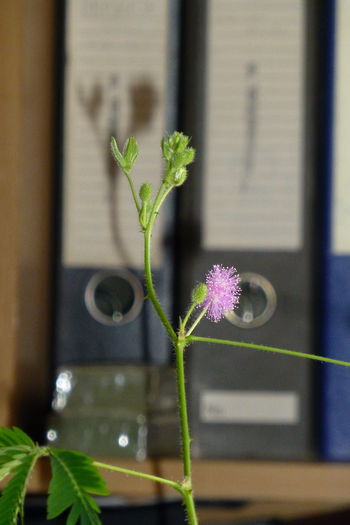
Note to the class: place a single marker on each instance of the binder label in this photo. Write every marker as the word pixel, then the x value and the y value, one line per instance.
pixel 253 175
pixel 249 407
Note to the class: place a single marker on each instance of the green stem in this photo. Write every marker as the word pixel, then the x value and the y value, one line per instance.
pixel 188 315
pixel 148 272
pixel 164 196
pixel 253 346
pixel 186 487
pixel 201 315
pixel 150 477
pixel 190 508
pixel 181 389
pixel 185 433
pixel 133 191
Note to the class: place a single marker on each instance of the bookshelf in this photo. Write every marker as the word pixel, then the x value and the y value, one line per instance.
pixel 282 490
pixel 316 483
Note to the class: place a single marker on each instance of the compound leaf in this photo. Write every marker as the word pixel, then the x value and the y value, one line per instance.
pixel 12 498
pixel 74 477
pixel 14 436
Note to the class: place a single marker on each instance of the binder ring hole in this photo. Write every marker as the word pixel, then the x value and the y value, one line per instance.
pixel 257 302
pixel 114 298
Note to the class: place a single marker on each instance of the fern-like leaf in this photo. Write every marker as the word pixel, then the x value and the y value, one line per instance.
pixel 74 477
pixel 12 499
pixel 15 445
pixel 13 437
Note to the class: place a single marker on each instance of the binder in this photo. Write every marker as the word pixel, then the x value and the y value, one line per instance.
pixel 119 78
pixel 249 203
pixel 336 281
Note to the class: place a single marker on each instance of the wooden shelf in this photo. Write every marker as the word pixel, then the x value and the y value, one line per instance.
pixel 320 483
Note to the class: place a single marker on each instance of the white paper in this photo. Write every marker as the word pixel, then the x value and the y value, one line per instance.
pixel 254 125
pixel 249 407
pixel 341 166
pixel 117 52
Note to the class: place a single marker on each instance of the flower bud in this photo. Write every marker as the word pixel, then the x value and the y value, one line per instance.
pixel 145 192
pixel 179 141
pixel 199 293
pixel 175 143
pixel 178 177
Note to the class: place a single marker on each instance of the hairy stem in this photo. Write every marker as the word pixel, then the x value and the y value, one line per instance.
pixel 190 508
pixel 185 488
pixel 135 473
pixel 253 346
pixel 185 433
pixel 147 259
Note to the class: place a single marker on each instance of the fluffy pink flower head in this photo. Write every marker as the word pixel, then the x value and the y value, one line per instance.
pixel 223 292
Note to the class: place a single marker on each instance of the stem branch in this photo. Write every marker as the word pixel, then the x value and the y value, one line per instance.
pixel 253 346
pixel 133 191
pixel 150 477
pixel 164 190
pixel 200 316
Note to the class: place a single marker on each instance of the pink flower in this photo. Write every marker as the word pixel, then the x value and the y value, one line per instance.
pixel 223 292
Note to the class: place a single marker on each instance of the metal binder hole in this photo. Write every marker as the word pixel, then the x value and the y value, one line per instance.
pixel 257 303
pixel 115 297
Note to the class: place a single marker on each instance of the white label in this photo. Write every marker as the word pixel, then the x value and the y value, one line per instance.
pixel 253 170
pixel 265 407
pixel 116 82
pixel 341 165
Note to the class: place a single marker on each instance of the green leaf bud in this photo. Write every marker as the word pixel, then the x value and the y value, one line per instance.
pixel 183 158
pixel 188 156
pixel 178 177
pixel 145 192
pixel 179 141
pixel 131 151
pixel 166 149
pixel 199 293
pixel 175 143
pixel 116 154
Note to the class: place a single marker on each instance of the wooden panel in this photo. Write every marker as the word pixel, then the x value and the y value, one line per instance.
pixel 26 108
pixel 36 213
pixel 267 481
pixel 316 483
pixel 10 161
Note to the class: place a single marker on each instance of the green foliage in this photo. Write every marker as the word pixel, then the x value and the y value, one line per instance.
pixel 13 437
pixel 116 153
pixel 131 151
pixel 18 455
pixel 12 499
pixel 126 159
pixel 177 156
pixel 175 143
pixel 15 445
pixel 74 477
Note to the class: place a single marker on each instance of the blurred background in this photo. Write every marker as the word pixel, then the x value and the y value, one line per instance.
pixel 260 86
